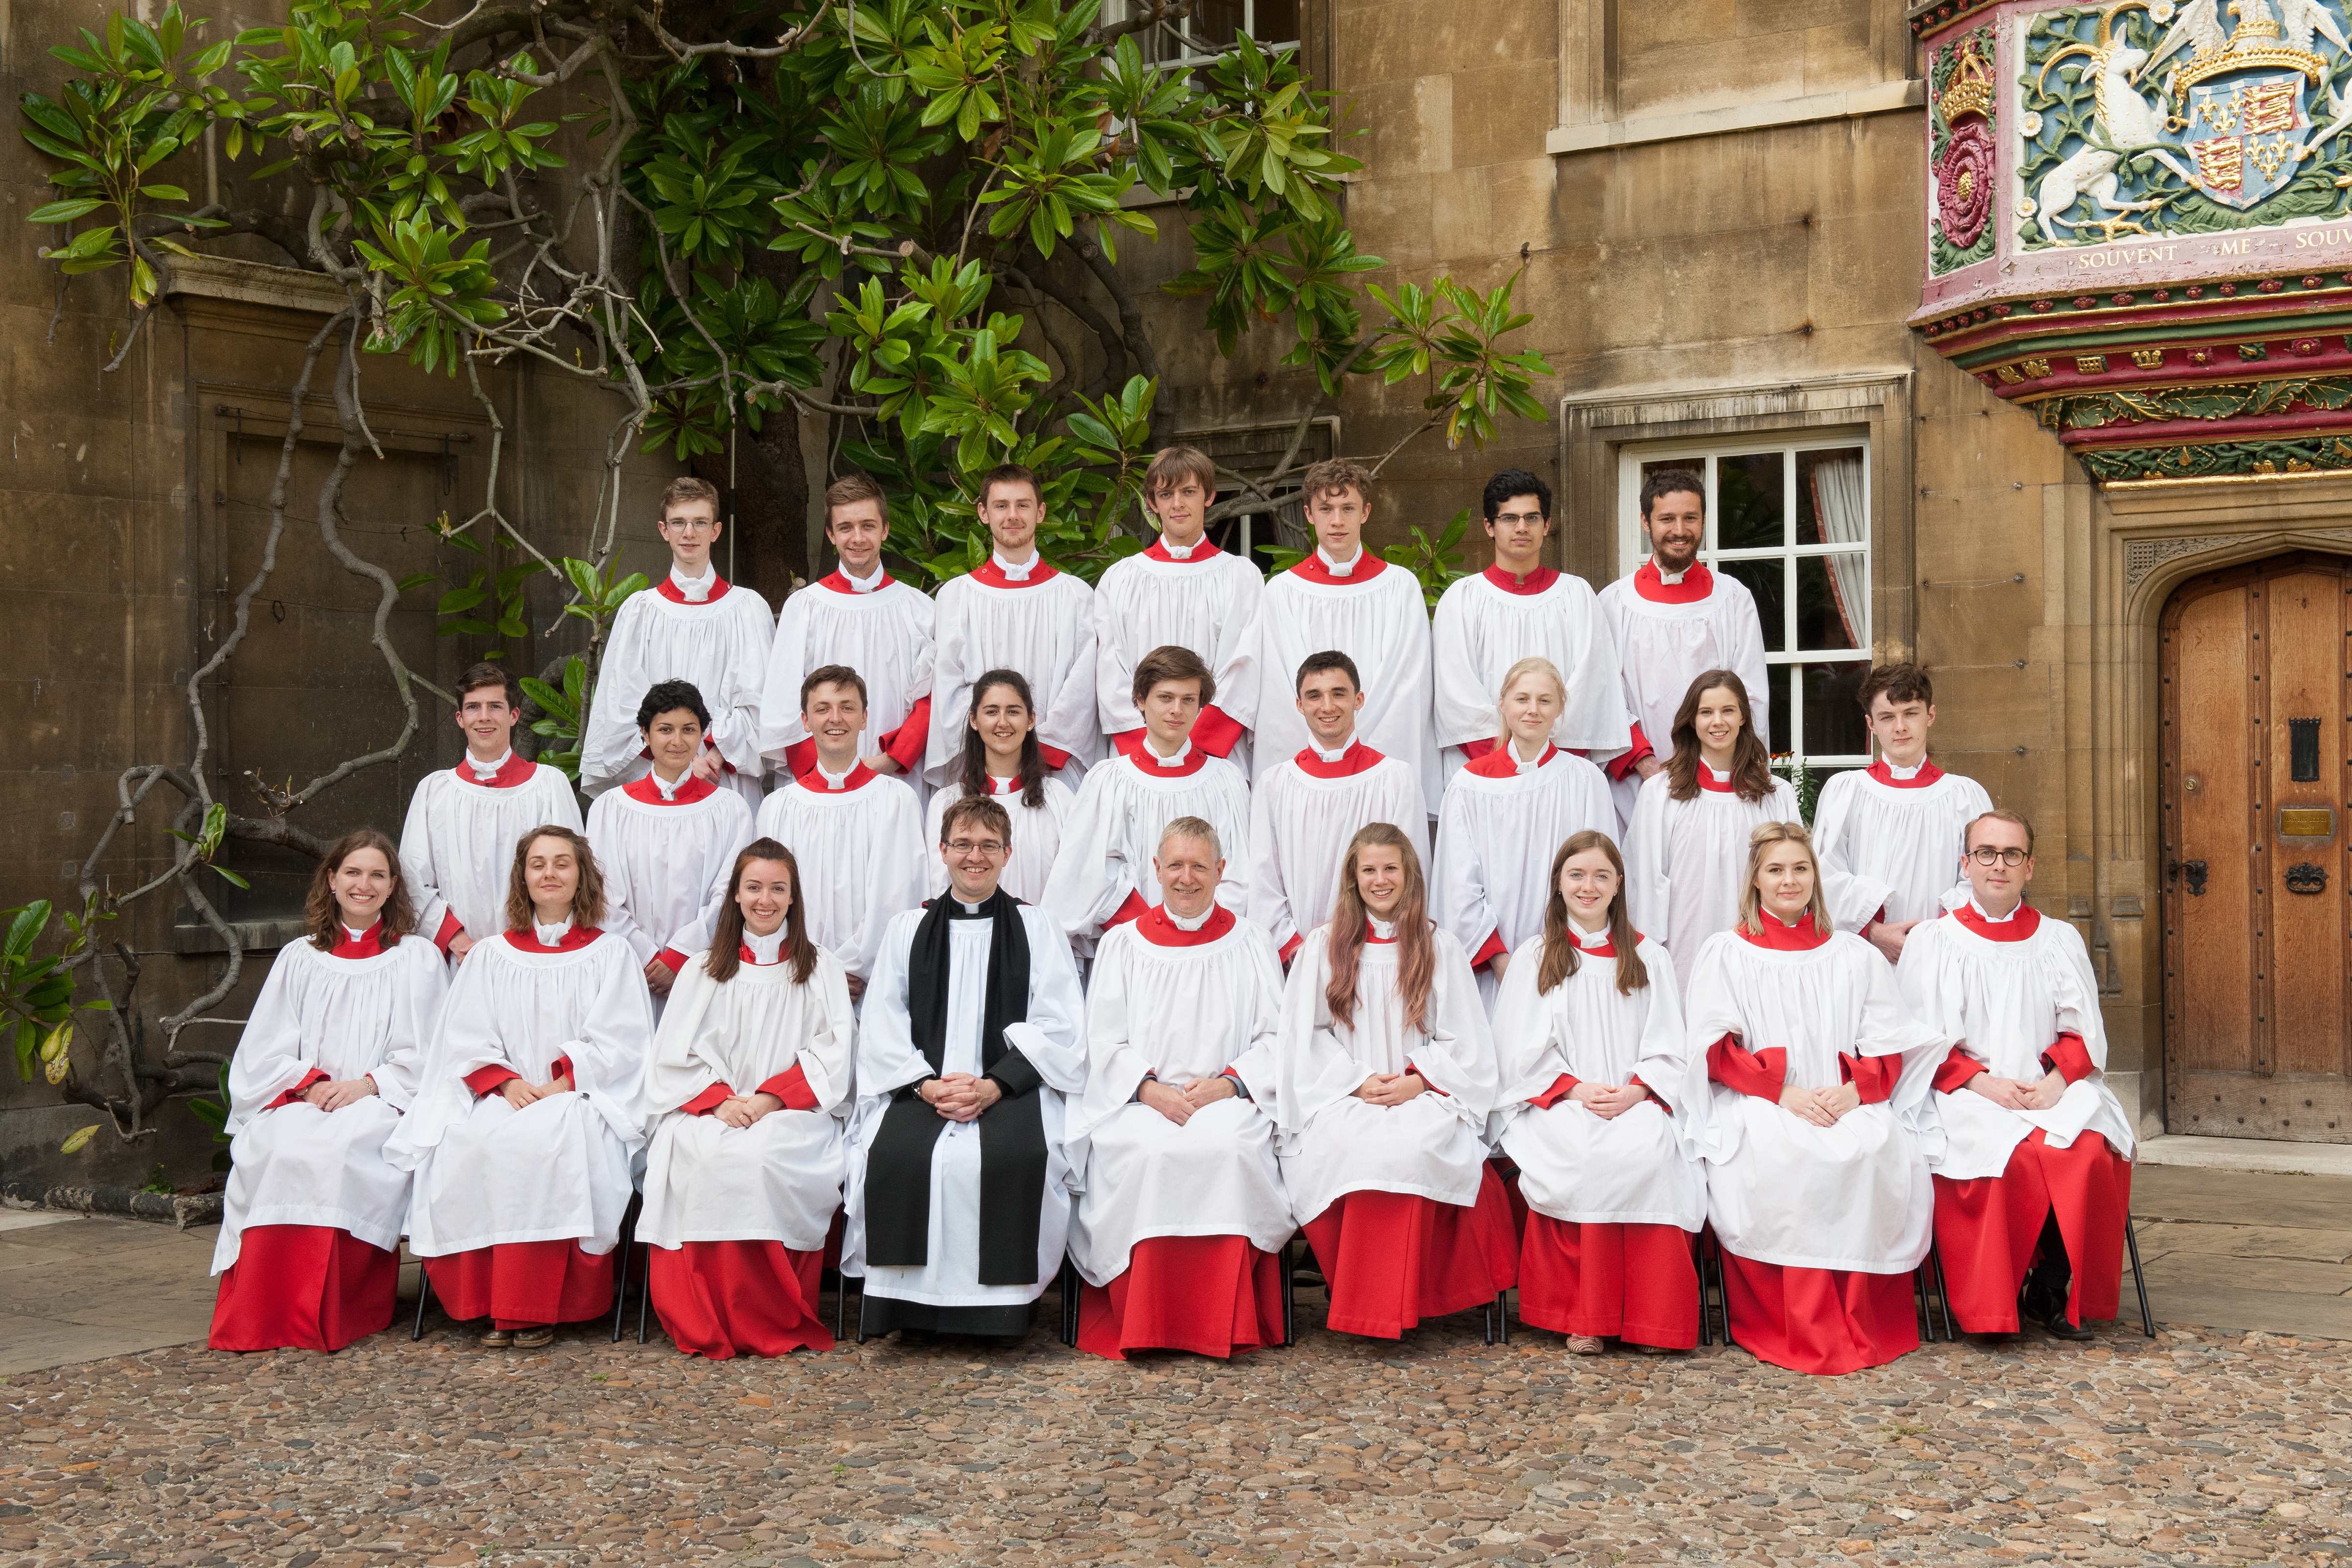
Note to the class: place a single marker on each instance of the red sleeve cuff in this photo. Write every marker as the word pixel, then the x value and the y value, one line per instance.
pixel 1054 756
pixel 799 756
pixel 291 1095
pixel 1556 1094
pixel 709 1100
pixel 906 745
pixel 673 960
pixel 1488 949
pixel 1638 748
pixel 562 1069
pixel 792 1087
pixel 710 744
pixel 1877 919
pixel 486 1080
pixel 1427 1079
pixel 1653 1093
pixel 1132 908
pixel 452 928
pixel 1216 731
pixel 1735 1067
pixel 1474 751
pixel 1873 1077
pixel 1956 1070
pixel 1290 948
pixel 2070 1057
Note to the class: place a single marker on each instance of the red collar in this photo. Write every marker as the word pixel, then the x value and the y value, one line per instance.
pixel 676 595
pixel 1928 774
pixel 753 959
pixel 1147 763
pixel 1534 582
pixel 1359 759
pixel 990 572
pixel 1502 763
pixel 859 777
pixel 1801 938
pixel 1696 585
pixel 2017 928
pixel 1372 936
pixel 1707 780
pixel 839 581
pixel 1205 551
pixel 575 939
pixel 647 791
pixel 1157 929
pixel 1606 949
pixel 368 945
pixel 517 769
pixel 1368 566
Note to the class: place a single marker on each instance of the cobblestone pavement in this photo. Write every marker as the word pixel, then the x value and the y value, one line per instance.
pixel 2194 1448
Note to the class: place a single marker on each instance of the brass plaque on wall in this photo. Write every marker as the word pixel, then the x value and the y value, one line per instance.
pixel 2307 822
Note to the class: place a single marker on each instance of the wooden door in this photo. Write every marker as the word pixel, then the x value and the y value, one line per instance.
pixel 2257 785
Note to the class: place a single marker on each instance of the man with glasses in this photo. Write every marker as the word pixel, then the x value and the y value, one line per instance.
pixel 695 626
pixel 1894 827
pixel 2034 1187
pixel 971 1037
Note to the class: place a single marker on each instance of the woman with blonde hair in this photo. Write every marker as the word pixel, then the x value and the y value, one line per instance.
pixel 310 1223
pixel 1501 816
pixel 1384 1077
pixel 525 1125
pixel 1601 1103
pixel 1821 1131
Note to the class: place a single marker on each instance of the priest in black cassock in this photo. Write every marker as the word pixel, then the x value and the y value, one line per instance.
pixel 959 1188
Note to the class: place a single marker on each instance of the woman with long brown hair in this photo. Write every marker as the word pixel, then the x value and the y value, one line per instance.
pixel 750 1075
pixel 1385 1073
pixel 329 1060
pixel 1600 1097
pixel 523 1130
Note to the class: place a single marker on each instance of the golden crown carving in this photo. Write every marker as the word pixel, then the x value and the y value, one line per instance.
pixel 1969 92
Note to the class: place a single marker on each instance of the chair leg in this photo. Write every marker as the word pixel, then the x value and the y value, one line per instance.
pixel 645 1297
pixel 1943 1295
pixel 1919 1303
pixel 1698 1273
pixel 621 1285
pixel 424 1294
pixel 1723 1295
pixel 1289 1297
pixel 1069 1301
pixel 2139 1281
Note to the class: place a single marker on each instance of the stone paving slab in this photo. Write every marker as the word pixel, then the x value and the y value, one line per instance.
pixel 75 1288
pixel 2241 1251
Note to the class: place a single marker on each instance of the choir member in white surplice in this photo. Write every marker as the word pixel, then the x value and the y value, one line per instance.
pixel 1183 591
pixel 970 1042
pixel 856 835
pixel 1015 612
pixel 1002 760
pixel 667 842
pixel 695 626
pixel 1182 1207
pixel 1306 809
pixel 2034 1187
pixel 1502 818
pixel 743 1100
pixel 1674 617
pixel 859 616
pixel 1341 597
pixel 460 839
pixel 1518 608
pixel 310 1222
pixel 1820 1129
pixel 528 1109
pixel 1384 1077
pixel 1601 1097
pixel 1896 827
pixel 1102 876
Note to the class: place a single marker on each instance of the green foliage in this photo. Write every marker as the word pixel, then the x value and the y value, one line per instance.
pixel 486 602
pixel 159 1181
pixel 1803 780
pixel 1436 562
pixel 37 994
pixel 598 598
pixel 213 1113
pixel 206 841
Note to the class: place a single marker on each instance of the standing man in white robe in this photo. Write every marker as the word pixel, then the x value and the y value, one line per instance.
pixel 463 823
pixel 1103 875
pixel 959 1185
pixel 860 616
pixel 667 842
pixel 857 836
pixel 1182 1208
pixel 1015 612
pixel 1897 827
pixel 1306 809
pixel 1183 591
pixel 1520 608
pixel 1341 597
pixel 694 626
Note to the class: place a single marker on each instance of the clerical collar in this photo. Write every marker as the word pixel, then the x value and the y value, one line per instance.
pixel 694 590
pixel 670 791
pixel 1336 568
pixel 1382 930
pixel 1528 765
pixel 865 585
pixel 485 772
pixel 764 949
pixel 353 935
pixel 1993 919
pixel 1671 579
pixel 1182 753
pixel 960 910
pixel 1019 573
pixel 1339 755
pixel 1590 939
pixel 551 935
pixel 834 781
pixel 1193 922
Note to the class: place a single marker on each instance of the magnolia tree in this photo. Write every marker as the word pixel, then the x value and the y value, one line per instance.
pixel 892 222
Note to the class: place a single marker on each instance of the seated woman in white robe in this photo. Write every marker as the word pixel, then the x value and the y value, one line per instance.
pixel 1002 761
pixel 1600 1100
pixel 1502 817
pixel 750 1076
pixel 529 1112
pixel 1182 1208
pixel 1384 1075
pixel 310 1223
pixel 1821 1131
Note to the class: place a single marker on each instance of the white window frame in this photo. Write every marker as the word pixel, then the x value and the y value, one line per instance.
pixel 1704 455
pixel 1117 11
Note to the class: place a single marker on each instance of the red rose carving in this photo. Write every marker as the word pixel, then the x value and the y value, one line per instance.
pixel 1964 182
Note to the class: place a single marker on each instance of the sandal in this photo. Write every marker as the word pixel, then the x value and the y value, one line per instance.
pixel 532 1338
pixel 499 1339
pixel 1586 1344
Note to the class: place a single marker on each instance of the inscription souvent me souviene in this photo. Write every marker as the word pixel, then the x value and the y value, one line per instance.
pixel 2333 236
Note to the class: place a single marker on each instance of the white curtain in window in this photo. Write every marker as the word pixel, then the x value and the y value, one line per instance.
pixel 1841 502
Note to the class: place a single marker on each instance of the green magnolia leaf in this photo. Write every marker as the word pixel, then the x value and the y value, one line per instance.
pixel 77 1142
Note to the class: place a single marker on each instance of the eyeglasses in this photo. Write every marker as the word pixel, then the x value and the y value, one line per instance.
pixel 975 846
pixel 1989 855
pixel 691 524
pixel 1520 516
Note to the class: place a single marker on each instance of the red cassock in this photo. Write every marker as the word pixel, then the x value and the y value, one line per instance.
pixel 1393 1258
pixel 718 1298
pixel 310 1286
pixel 1212 1295
pixel 523 1284
pixel 1986 1230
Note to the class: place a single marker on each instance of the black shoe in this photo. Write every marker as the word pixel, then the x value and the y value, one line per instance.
pixel 2060 1327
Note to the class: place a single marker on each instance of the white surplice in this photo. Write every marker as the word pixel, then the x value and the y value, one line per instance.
pixel 1667 636
pixel 1856 1196
pixel 1203 600
pixel 1034 620
pixel 1639 1167
pixel 778 1179
pixel 1178 1004
pixel 858 841
pixel 1051 1036
pixel 458 846
pixel 1036 836
pixel 558 1170
pixel 1502 821
pixel 719 641
pixel 1302 814
pixel 1900 835
pixel 1113 835
pixel 1332 1144
pixel 345 1018
pixel 2004 1003
pixel 884 633
pixel 1488 621
pixel 666 860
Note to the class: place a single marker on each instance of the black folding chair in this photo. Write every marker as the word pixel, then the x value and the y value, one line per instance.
pixel 1070 1288
pixel 2139 1281
pixel 424 1296
pixel 625 1246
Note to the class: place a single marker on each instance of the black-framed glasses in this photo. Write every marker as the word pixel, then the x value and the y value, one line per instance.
pixel 1986 855
pixel 1503 517
pixel 968 846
